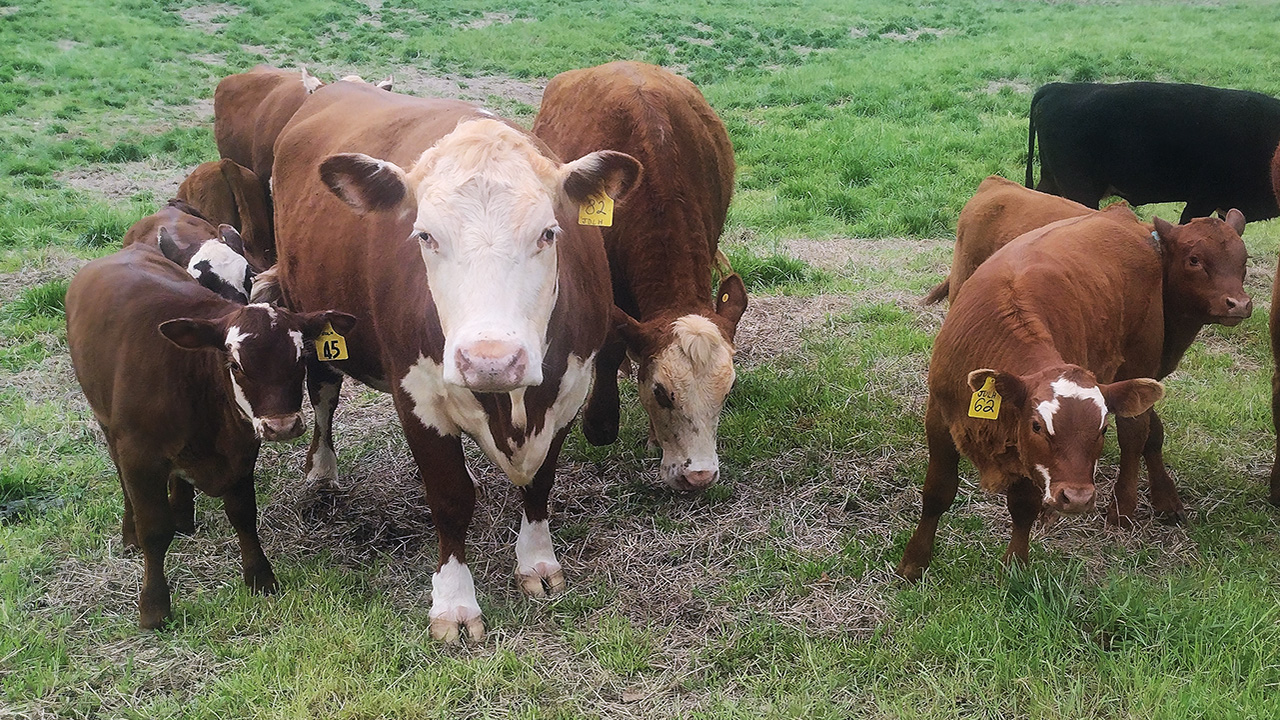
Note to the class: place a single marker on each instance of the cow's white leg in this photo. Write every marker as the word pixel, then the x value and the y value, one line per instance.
pixel 453 603
pixel 323 387
pixel 537 570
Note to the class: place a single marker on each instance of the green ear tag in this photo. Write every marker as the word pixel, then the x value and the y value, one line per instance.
pixel 986 401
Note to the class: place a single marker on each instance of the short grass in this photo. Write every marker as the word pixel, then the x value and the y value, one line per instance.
pixel 860 128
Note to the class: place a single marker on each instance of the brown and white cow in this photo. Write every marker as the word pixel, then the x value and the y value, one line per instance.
pixel 661 248
pixel 1067 326
pixel 1204 265
pixel 214 256
pixel 454 236
pixel 186 385
pixel 228 193
pixel 251 108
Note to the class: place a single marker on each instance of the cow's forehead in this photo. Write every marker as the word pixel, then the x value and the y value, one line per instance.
pixel 1072 397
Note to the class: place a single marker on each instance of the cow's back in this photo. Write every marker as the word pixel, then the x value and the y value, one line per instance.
pixel 998 212
pixel 666 236
pixel 114 308
pixel 1087 289
pixel 226 192
pixel 249 111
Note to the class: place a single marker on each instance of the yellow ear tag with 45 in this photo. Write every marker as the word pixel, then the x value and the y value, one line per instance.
pixel 330 345
pixel 986 401
pixel 597 211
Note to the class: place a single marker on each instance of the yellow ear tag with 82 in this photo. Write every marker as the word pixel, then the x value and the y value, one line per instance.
pixel 330 345
pixel 597 211
pixel 986 401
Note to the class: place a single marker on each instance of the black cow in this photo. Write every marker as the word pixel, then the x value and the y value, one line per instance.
pixel 1156 142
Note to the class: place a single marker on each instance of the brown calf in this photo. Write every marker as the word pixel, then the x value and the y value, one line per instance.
pixel 186 386
pixel 213 256
pixel 228 193
pixel 1066 326
pixel 455 237
pixel 661 248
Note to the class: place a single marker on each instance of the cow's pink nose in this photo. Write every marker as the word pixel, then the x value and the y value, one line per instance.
pixel 282 427
pixel 492 365
pixel 699 479
pixel 1074 499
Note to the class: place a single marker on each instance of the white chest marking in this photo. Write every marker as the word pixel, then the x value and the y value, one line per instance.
pixel 450 409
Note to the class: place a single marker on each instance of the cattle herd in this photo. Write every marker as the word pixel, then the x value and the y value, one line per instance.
pixel 493 280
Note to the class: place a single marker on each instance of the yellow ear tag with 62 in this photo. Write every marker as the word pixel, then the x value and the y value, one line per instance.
pixel 597 211
pixel 986 401
pixel 330 345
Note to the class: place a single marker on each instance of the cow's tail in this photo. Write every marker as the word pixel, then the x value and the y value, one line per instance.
pixel 938 293
pixel 1031 141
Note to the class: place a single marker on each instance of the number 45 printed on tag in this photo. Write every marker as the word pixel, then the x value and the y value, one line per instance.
pixel 330 345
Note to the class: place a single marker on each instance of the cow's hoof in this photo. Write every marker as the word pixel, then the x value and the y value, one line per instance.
pixel 1118 521
pixel 449 628
pixel 1171 517
pixel 600 432
pixel 322 468
pixel 1274 499
pixel 153 615
pixel 546 580
pixel 910 572
pixel 262 583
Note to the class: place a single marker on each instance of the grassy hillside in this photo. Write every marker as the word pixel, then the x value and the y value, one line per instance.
pixel 861 127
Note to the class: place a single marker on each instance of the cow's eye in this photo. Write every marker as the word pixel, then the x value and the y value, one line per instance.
pixel 235 367
pixel 1035 426
pixel 547 238
pixel 1195 261
pixel 427 241
pixel 663 396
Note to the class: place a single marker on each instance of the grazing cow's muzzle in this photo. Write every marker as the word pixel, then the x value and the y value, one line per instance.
pixel 1237 309
pixel 281 427
pixel 493 366
pixel 682 479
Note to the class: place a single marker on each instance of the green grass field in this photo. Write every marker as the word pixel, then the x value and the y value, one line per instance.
pixel 861 127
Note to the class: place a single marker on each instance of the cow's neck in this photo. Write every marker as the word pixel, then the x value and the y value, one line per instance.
pixel 1179 333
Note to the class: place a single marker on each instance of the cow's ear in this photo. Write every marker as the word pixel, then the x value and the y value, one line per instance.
pixel 168 246
pixel 313 323
pixel 610 171
pixel 1011 388
pixel 366 184
pixel 384 84
pixel 1130 398
pixel 231 238
pixel 1235 219
pixel 310 82
pixel 193 334
pixel 630 330
pixel 731 300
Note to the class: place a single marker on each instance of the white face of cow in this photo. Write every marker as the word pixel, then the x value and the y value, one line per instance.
pixel 683 390
pixel 485 200
pixel 487 229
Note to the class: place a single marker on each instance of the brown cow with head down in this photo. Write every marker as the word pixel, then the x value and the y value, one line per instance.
pixel 186 386
pixel 454 236
pixel 661 247
pixel 1204 269
pixel 228 193
pixel 1065 326
pixel 213 256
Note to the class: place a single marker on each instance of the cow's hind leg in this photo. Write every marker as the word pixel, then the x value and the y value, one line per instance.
pixel 146 482
pixel 323 387
pixel 1024 502
pixel 538 572
pixel 241 507
pixel 601 417
pixel 452 499
pixel 1165 502
pixel 1131 433
pixel 128 528
pixel 941 481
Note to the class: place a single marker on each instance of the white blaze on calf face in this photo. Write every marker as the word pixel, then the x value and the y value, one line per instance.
pixel 1044 473
pixel 235 338
pixel 683 394
pixel 1064 388
pixel 487 229
pixel 226 264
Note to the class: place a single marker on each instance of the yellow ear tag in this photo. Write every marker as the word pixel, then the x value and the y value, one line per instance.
pixel 724 298
pixel 986 401
pixel 597 211
pixel 330 345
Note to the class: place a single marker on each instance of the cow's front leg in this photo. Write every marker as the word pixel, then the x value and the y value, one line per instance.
pixel 537 571
pixel 452 499
pixel 323 387
pixel 1024 502
pixel 600 418
pixel 1131 434
pixel 1165 502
